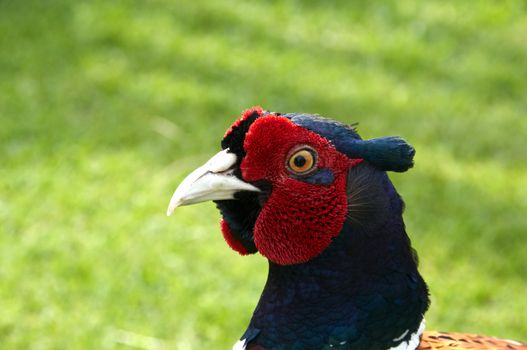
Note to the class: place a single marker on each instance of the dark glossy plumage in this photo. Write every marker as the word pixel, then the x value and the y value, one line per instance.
pixel 363 290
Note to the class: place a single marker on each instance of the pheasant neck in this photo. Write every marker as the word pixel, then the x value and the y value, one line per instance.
pixel 363 292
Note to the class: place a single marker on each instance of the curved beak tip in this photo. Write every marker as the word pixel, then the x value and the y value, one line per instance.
pixel 212 181
pixel 171 209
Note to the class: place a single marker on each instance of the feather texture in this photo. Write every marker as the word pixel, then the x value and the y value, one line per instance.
pixel 461 341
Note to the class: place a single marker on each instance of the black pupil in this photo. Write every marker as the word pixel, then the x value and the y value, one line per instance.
pixel 299 161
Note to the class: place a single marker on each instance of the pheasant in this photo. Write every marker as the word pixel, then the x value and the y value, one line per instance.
pixel 314 198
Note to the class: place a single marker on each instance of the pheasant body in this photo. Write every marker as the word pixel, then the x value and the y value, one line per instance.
pixel 314 198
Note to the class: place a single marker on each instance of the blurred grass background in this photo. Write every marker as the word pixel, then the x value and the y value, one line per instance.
pixel 105 106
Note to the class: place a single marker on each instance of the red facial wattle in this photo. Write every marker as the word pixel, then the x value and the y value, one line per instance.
pixel 299 219
pixel 246 114
pixel 230 239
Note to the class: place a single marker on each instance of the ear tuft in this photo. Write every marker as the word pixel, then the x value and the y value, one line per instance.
pixel 390 153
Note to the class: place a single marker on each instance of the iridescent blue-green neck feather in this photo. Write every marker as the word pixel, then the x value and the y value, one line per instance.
pixel 363 292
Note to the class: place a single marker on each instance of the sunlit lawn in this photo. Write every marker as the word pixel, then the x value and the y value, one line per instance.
pixel 105 106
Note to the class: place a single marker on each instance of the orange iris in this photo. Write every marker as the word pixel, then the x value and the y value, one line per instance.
pixel 302 161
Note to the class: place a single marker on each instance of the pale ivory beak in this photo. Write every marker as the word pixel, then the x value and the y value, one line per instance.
pixel 212 181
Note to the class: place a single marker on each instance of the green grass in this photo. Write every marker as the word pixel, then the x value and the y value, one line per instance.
pixel 105 106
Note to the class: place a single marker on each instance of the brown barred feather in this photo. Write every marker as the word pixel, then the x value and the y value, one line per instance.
pixel 432 340
pixel 442 340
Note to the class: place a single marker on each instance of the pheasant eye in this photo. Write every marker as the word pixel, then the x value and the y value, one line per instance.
pixel 302 161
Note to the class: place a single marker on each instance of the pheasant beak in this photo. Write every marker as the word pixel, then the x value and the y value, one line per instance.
pixel 212 181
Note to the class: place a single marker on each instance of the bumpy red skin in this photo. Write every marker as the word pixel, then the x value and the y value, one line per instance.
pixel 229 238
pixel 244 116
pixel 299 219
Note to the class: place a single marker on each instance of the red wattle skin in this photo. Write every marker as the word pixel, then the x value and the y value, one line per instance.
pixel 299 219
pixel 246 114
pixel 229 238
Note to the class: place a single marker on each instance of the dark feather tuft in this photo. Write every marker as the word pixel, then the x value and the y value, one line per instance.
pixel 390 153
